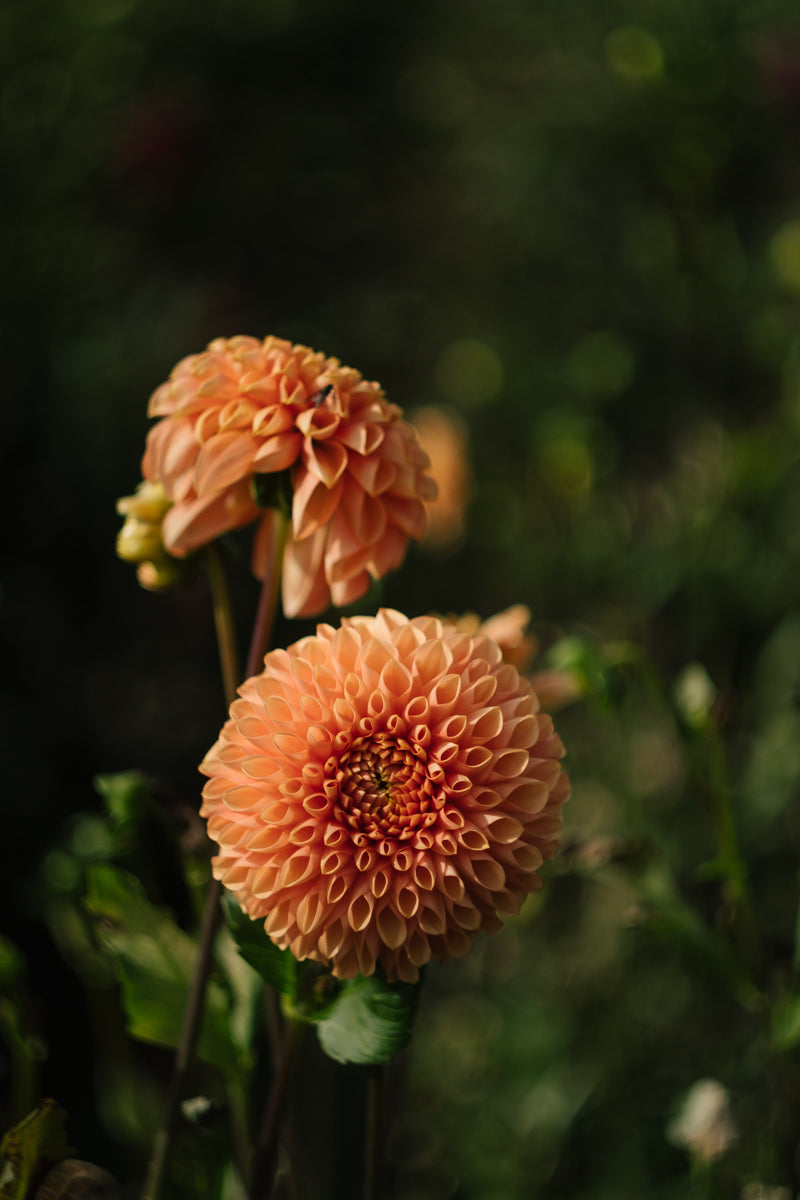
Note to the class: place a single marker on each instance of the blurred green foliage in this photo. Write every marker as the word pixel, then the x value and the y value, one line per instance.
pixel 577 225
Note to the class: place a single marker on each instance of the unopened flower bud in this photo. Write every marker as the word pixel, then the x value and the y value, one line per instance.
pixel 160 575
pixel 695 694
pixel 140 540
pixel 148 503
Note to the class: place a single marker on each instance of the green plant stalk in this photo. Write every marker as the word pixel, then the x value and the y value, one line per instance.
pixel 732 863
pixel 226 640
pixel 712 775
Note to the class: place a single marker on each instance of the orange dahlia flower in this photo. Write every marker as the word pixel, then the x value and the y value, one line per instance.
pixel 244 408
pixel 382 792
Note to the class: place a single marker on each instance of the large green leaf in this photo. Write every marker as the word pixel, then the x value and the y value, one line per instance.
pixel 368 1021
pixel 154 961
pixel 31 1148
pixel 277 967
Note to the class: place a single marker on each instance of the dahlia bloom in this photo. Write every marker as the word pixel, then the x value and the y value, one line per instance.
pixel 382 792
pixel 244 408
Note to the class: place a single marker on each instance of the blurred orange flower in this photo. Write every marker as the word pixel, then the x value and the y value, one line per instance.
pixel 444 438
pixel 554 688
pixel 244 408
pixel 382 792
pixel 509 629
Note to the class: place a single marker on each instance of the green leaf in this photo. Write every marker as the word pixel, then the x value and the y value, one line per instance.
pixel 369 1020
pixel 31 1148
pixel 277 967
pixel 154 962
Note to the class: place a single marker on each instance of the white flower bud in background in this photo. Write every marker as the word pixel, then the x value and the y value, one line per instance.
pixel 704 1125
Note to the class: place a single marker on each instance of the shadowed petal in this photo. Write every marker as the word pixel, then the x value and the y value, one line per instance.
pixel 313 504
pixel 327 460
pixel 305 590
pixel 195 523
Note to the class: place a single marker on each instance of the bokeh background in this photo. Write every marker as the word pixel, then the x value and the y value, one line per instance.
pixel 573 227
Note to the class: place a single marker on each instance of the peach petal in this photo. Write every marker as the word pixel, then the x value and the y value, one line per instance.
pixel 313 504
pixel 305 589
pixel 387 553
pixel 360 912
pixel 224 460
pixel 275 453
pixel 391 927
pixel 361 437
pixel 372 472
pixel 326 460
pixel 366 515
pixel 193 523
pixel 408 515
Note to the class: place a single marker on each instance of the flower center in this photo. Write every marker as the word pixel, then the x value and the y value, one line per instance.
pixel 384 789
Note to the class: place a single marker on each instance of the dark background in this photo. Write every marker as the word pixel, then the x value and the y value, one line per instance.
pixel 574 224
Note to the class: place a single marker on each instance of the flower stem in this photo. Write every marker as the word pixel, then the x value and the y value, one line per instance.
pixel 223 623
pixel 373 1133
pixel 226 642
pixel 732 864
pixel 188 1040
pixel 266 1158
pixel 705 748
pixel 268 599
pixel 259 643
